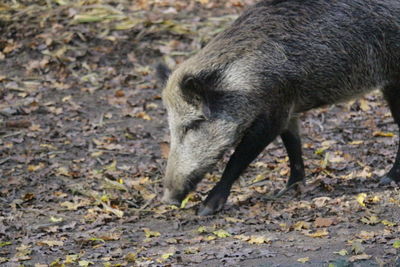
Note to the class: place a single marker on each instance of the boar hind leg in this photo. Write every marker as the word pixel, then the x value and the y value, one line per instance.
pixel 291 140
pixel 258 136
pixel 392 96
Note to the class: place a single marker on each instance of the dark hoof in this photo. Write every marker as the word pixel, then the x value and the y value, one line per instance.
pixel 283 191
pixel 205 211
pixel 212 205
pixel 386 180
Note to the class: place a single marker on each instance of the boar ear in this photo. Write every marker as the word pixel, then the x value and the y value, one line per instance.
pixel 195 92
pixel 162 73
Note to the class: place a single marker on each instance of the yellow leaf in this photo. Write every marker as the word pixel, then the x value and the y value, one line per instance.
pixel 361 198
pixel 166 256
pixel 112 166
pixel 357 142
pixel 319 233
pixel 396 244
pixel 370 220
pixel 383 134
pixel 85 263
pixel 185 201
pixel 70 205
pixel 69 259
pixel 150 234
pixel 55 219
pixel 303 260
pixel 202 229
pixel 210 237
pixel 131 257
pixel 374 199
pixel 258 239
pixel 242 237
pixel 33 168
pixel 342 252
pixel 96 154
pixel 388 223
pixel 233 220
pixel 258 178
pixel 301 225
pixel 221 233
pixel 127 24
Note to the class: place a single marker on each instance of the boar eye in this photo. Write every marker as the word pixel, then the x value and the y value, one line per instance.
pixel 194 124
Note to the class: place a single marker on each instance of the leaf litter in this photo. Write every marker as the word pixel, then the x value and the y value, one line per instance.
pixel 83 145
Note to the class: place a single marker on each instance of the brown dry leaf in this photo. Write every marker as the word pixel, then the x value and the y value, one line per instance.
pixel 323 222
pixel 233 220
pixel 143 115
pixel 116 212
pixel 28 196
pixel 164 146
pixel 359 257
pixel 320 202
pixel 119 93
pixel 50 243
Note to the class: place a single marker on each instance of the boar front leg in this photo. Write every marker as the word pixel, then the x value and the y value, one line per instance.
pixel 262 132
pixel 392 96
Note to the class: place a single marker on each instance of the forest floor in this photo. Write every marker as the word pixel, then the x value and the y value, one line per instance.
pixel 84 140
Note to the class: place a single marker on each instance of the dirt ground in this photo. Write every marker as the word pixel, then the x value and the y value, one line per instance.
pixel 84 140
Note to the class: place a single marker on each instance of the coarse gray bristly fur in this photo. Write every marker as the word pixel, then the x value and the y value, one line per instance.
pixel 277 59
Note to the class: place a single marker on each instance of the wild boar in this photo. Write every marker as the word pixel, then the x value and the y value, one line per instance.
pixel 249 84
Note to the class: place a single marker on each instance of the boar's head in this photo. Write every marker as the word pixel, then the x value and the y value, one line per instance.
pixel 209 109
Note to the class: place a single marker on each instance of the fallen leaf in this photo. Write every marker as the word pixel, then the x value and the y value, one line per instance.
pixel 150 234
pixel 372 220
pixel 33 168
pixel 303 260
pixel 383 134
pixel 388 223
pixel 357 247
pixel 258 239
pixel 342 252
pixel 50 243
pixel 221 233
pixel 361 198
pixel 166 256
pixel 319 233
pixel 323 222
pixel 359 257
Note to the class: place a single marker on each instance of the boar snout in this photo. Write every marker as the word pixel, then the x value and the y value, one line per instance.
pixel 171 198
pixel 175 189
